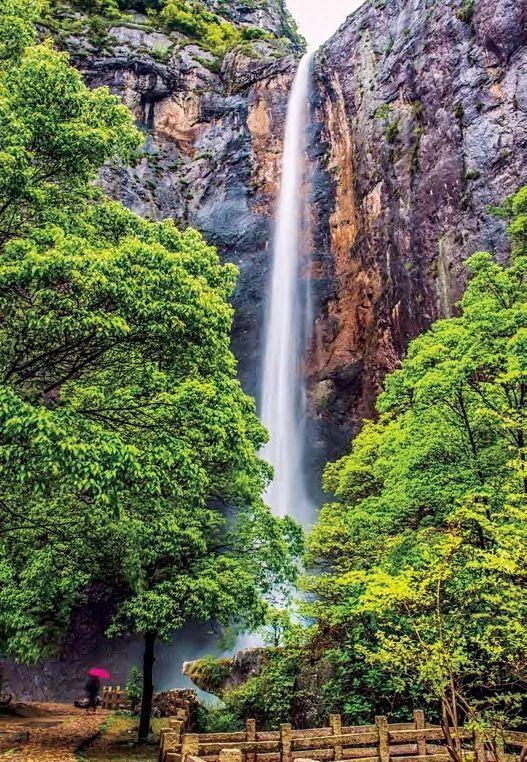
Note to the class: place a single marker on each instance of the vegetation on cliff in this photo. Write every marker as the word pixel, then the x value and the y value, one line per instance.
pixel 129 450
pixel 216 31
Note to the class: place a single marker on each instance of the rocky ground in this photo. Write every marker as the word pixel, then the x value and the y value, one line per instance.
pixel 46 732
pixel 61 733
pixel 117 744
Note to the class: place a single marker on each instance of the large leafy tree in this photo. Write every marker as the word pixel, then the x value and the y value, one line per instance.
pixel 55 133
pixel 421 559
pixel 128 451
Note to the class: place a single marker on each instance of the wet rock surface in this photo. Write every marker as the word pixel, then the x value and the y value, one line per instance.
pixel 229 673
pixel 213 143
pixel 421 124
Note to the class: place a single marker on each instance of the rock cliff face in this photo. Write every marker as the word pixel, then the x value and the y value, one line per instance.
pixel 421 123
pixel 213 135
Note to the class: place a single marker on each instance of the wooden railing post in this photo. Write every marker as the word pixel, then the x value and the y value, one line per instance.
pixel 384 739
pixel 190 745
pixel 499 746
pixel 419 718
pixel 176 726
pixel 479 746
pixel 250 737
pixel 335 721
pixel 169 743
pixel 286 742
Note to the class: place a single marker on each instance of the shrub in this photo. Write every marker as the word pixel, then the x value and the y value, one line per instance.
pixel 134 687
pixel 268 697
pixel 209 30
pixel 466 12
pixel 255 33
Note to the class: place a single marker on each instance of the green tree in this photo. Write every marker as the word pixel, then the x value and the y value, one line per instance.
pixel 134 687
pixel 55 133
pixel 421 559
pixel 128 450
pixel 120 349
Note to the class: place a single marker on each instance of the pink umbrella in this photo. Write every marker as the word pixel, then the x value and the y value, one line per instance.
pixel 102 673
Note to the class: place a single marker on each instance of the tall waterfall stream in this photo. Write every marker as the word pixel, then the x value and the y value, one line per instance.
pixel 282 391
pixel 282 408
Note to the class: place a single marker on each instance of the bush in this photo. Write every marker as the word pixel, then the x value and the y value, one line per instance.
pixel 218 719
pixel 209 30
pixel 466 12
pixel 255 33
pixel 134 687
pixel 268 697
pixel 107 8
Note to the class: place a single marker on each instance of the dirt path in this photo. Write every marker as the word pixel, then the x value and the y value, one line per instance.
pixel 117 744
pixel 54 734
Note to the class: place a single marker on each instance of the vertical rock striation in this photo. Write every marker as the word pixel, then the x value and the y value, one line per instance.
pixel 421 116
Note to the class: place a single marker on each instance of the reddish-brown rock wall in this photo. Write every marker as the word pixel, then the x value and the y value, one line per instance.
pixel 421 109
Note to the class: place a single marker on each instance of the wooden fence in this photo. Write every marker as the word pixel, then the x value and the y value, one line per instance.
pixel 115 698
pixel 405 742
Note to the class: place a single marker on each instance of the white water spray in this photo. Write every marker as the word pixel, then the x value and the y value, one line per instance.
pixel 282 390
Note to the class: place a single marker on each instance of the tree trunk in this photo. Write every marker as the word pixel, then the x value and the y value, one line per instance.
pixel 148 686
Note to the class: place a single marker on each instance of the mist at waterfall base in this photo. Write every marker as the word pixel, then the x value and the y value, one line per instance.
pixel 287 326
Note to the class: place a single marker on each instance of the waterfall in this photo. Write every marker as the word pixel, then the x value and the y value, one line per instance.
pixel 282 388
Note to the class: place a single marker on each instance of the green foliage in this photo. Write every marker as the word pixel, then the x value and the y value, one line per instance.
pixel 108 8
pixel 391 123
pixel 218 719
pixel 268 697
pixel 210 673
pixel 128 448
pixel 256 33
pixel 421 590
pixel 134 687
pixel 466 12
pixel 384 112
pixel 392 130
pixel 55 134
pixel 17 28
pixel 208 29
pixel 279 629
pixel 290 28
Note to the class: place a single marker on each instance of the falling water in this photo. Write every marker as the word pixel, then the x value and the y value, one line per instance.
pixel 282 390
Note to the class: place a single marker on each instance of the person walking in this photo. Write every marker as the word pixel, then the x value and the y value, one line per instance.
pixel 92 688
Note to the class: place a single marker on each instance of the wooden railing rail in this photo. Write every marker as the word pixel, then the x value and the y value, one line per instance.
pixel 383 742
